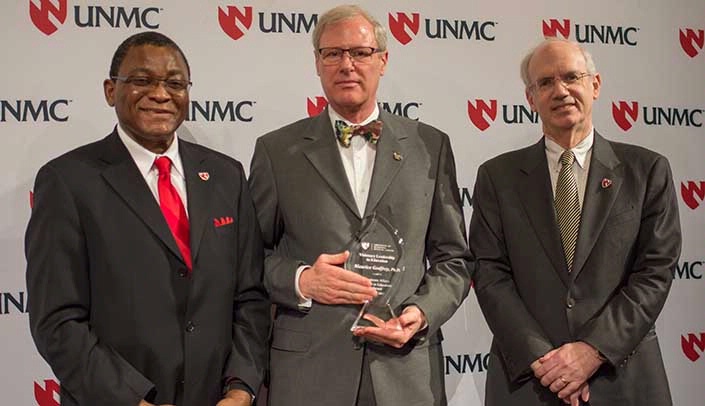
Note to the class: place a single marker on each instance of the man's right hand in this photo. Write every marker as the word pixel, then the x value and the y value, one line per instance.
pixel 328 283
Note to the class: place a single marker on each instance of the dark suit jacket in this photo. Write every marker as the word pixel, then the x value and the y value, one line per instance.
pixel 628 244
pixel 306 208
pixel 111 306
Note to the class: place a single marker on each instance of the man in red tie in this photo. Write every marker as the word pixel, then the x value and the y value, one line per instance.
pixel 139 294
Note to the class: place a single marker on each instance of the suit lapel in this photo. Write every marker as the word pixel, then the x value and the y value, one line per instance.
pixel 123 176
pixel 536 194
pixel 598 200
pixel 195 164
pixel 388 160
pixel 321 150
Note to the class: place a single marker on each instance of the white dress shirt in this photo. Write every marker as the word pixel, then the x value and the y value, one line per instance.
pixel 581 165
pixel 144 159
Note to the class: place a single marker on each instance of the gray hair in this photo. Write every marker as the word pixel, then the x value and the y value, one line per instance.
pixel 524 69
pixel 344 12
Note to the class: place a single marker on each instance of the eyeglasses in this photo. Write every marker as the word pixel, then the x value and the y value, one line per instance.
pixel 333 56
pixel 546 84
pixel 149 82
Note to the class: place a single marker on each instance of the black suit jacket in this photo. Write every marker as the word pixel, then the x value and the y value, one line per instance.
pixel 628 244
pixel 111 306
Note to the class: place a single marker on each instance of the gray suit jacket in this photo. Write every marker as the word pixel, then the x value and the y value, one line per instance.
pixel 111 306
pixel 628 244
pixel 306 208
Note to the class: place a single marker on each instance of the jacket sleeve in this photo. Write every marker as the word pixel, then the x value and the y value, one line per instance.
pixel 447 280
pixel 279 270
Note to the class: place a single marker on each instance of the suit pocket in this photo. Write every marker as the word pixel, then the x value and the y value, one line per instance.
pixel 290 340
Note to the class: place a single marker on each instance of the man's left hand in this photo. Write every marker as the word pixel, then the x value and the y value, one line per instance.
pixel 236 397
pixel 394 332
pixel 565 369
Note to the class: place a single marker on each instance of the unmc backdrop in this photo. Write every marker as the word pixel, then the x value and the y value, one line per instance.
pixel 453 64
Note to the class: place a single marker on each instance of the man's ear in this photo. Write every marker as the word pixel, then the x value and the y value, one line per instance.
pixel 109 91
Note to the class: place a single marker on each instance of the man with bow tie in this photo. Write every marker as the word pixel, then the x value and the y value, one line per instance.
pixel 576 239
pixel 313 182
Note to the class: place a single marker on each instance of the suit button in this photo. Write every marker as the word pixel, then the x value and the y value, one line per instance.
pixel 570 302
pixel 190 327
pixel 182 272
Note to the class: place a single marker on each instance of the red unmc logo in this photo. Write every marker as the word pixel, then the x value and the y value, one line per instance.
pixel 552 27
pixel 691 41
pixel 623 112
pixel 398 26
pixel 689 345
pixel 479 113
pixel 228 21
pixel 39 14
pixel 315 106
pixel 47 395
pixel 693 193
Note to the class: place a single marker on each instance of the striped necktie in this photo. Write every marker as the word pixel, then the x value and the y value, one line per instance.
pixel 567 206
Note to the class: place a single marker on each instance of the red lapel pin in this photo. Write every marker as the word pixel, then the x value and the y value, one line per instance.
pixel 204 176
pixel 606 183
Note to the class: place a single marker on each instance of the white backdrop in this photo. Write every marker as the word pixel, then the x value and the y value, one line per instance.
pixel 447 59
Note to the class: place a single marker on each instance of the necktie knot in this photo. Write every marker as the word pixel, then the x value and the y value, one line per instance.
pixel 370 132
pixel 567 157
pixel 163 164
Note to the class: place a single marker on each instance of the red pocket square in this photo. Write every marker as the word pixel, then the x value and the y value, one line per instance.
pixel 222 221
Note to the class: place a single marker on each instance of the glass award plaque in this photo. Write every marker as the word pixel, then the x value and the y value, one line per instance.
pixel 375 252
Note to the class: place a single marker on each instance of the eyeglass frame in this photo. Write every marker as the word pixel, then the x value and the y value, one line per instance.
pixel 564 79
pixel 350 55
pixel 154 82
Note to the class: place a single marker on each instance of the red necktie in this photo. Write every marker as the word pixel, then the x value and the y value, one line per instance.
pixel 173 209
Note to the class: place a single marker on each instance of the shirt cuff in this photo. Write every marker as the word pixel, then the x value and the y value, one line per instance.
pixel 304 302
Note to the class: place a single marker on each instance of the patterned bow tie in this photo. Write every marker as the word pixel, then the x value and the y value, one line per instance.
pixel 370 132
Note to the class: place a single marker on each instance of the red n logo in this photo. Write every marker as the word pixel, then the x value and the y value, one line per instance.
pixel 40 15
pixel 228 21
pixel 481 109
pixel 688 345
pixel 45 396
pixel 315 107
pixel 622 111
pixel 689 39
pixel 398 26
pixel 553 27
pixel 690 190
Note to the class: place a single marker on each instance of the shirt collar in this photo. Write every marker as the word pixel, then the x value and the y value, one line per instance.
pixel 580 151
pixel 144 158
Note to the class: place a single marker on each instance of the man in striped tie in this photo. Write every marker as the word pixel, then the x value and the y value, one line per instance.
pixel 575 238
